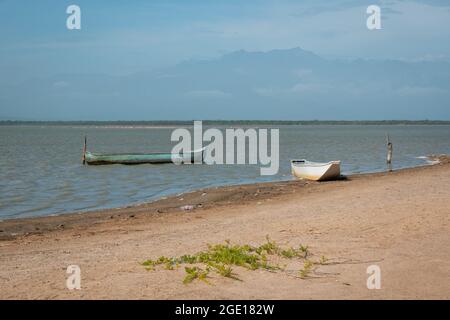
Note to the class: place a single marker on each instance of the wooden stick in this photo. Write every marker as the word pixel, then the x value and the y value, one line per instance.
pixel 84 151
pixel 390 150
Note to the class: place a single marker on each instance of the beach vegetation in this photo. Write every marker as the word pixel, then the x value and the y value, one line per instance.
pixel 195 272
pixel 304 250
pixel 323 260
pixel 222 258
pixel 307 268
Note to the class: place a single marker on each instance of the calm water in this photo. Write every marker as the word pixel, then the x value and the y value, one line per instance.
pixel 41 171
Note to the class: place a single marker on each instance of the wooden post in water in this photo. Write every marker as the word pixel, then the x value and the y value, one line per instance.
pixel 390 150
pixel 84 151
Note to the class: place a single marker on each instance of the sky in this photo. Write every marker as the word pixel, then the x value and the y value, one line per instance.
pixel 129 43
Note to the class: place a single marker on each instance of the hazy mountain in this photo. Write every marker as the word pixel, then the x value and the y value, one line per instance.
pixel 278 84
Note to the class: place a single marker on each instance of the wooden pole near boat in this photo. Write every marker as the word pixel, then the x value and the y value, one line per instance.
pixel 390 150
pixel 84 151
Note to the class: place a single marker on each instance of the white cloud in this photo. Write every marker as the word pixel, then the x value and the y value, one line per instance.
pixel 207 94
pixel 314 89
pixel 420 91
pixel 60 84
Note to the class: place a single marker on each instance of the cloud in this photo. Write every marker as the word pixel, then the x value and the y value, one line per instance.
pixel 420 91
pixel 60 84
pixel 207 94
pixel 437 3
pixel 301 73
pixel 276 84
pixel 311 90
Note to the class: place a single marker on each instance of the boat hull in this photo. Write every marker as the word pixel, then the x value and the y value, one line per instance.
pixel 152 158
pixel 316 171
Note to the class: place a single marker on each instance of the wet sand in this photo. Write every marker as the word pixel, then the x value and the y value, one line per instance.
pixel 399 221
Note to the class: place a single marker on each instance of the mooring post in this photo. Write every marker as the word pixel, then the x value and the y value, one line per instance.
pixel 84 151
pixel 390 150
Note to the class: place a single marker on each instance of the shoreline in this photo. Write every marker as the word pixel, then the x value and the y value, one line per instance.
pixel 426 159
pixel 202 198
pixel 397 220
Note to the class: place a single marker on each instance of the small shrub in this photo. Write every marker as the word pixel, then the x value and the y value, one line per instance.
pixel 307 267
pixel 195 273
pixel 221 257
pixel 323 260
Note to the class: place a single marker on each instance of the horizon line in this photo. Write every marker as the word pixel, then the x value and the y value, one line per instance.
pixel 219 121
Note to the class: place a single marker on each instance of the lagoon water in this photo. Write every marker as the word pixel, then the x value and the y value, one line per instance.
pixel 41 171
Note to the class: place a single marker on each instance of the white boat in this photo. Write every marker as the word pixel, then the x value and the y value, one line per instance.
pixel 304 169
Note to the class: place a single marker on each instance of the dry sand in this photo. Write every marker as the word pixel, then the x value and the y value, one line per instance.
pixel 399 221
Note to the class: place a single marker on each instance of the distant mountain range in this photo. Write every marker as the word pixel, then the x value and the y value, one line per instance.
pixel 279 84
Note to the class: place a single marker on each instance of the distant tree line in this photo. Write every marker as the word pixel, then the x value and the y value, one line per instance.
pixel 226 122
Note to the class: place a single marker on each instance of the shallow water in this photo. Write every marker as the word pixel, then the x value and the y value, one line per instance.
pixel 41 171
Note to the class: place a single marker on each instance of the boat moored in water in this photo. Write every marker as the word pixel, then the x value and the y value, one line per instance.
pixel 195 156
pixel 140 158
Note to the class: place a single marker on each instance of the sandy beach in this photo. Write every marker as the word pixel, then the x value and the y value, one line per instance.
pixel 399 221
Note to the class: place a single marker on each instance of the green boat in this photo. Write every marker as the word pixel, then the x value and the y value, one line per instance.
pixel 140 158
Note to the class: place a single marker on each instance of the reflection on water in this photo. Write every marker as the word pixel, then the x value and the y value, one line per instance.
pixel 41 171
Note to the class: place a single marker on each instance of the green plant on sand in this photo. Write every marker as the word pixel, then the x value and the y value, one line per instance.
pixel 323 260
pixel 221 257
pixel 307 267
pixel 195 273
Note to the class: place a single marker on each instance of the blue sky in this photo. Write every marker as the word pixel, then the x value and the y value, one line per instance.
pixel 125 38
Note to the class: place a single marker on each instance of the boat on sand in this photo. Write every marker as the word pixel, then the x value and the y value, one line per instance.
pixel 316 171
